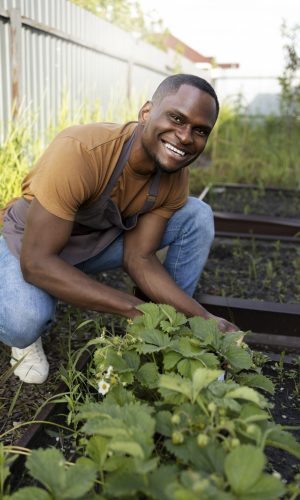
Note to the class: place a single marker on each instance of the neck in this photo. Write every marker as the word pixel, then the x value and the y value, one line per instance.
pixel 138 159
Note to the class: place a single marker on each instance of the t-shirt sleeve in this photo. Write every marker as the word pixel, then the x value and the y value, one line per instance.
pixel 177 192
pixel 64 177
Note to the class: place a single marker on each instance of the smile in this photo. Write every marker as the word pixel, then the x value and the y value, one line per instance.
pixel 175 150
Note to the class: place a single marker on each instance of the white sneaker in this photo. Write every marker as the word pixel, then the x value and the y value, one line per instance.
pixel 34 368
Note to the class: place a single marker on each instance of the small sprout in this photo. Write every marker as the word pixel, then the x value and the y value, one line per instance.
pixel 177 437
pixel 202 440
pixel 103 387
pixel 175 419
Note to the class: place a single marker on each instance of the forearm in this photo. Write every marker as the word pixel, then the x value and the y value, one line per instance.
pixel 72 286
pixel 155 282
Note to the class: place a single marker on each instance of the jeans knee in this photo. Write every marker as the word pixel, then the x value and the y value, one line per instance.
pixel 202 218
pixel 23 328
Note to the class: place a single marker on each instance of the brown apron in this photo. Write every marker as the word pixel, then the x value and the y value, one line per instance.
pixel 96 226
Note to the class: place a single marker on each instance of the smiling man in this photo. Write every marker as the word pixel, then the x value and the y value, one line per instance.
pixel 104 196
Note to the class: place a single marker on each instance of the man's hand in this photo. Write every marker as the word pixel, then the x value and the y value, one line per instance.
pixel 224 325
pixel 152 279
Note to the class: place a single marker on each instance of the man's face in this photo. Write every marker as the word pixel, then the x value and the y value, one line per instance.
pixel 175 130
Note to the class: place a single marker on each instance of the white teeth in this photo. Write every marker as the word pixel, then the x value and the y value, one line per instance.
pixel 172 148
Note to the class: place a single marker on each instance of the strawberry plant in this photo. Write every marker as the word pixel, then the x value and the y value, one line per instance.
pixel 165 424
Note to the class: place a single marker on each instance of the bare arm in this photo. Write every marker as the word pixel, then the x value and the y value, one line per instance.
pixel 142 264
pixel 44 238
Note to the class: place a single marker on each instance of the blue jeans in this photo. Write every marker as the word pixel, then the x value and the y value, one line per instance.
pixel 26 311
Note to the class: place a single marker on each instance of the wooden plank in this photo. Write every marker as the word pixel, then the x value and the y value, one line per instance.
pixel 16 60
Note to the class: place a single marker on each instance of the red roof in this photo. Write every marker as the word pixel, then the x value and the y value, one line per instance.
pixel 172 42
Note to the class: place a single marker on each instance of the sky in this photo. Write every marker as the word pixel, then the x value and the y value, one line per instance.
pixel 242 31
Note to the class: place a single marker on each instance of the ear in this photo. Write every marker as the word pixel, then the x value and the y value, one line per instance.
pixel 144 112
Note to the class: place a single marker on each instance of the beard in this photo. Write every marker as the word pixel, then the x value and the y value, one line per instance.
pixel 158 165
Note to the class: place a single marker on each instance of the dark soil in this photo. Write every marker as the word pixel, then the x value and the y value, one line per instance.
pixel 252 269
pixel 286 411
pixel 258 201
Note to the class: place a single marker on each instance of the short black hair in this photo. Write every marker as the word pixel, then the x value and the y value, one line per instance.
pixel 171 84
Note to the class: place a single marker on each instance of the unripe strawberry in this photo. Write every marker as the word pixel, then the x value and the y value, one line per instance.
pixel 235 442
pixel 177 437
pixel 175 419
pixel 251 429
pixel 202 440
pixel 212 407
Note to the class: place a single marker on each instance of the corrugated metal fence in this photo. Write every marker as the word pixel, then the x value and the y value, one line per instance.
pixel 52 47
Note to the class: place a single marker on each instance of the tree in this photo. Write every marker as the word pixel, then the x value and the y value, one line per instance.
pixel 128 15
pixel 290 80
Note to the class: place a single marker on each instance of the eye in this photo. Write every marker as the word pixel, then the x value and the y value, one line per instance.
pixel 201 132
pixel 175 118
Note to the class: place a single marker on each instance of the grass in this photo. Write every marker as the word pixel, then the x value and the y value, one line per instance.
pixel 244 149
pixel 19 151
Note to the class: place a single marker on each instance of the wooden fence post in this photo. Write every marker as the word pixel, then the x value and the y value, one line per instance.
pixel 16 60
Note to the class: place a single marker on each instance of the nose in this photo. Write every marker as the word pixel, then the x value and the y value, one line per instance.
pixel 184 134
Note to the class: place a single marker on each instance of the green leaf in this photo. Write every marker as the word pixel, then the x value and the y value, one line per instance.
pixel 171 358
pixel 209 360
pixel 156 338
pixel 238 358
pixel 257 380
pixel 132 359
pixel 169 312
pixel 283 440
pixel 160 481
pixel 30 493
pixel 243 467
pixel 251 413
pixel 206 330
pixel 266 488
pixel 163 423
pixel 117 362
pixel 177 384
pixel 187 348
pixel 202 377
pixel 97 450
pixel 245 393
pixel 48 467
pixel 148 375
pixel 208 460
pixel 120 396
pixel 80 479
pixel 123 484
pixel 127 447
pixel 152 314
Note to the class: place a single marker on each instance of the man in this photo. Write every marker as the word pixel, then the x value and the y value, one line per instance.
pixel 104 196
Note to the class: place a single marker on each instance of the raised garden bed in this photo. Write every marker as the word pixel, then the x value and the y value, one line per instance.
pixel 254 283
pixel 246 208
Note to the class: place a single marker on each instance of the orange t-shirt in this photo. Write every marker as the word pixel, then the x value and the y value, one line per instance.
pixel 77 165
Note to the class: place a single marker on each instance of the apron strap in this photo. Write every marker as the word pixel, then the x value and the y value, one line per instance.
pixel 119 166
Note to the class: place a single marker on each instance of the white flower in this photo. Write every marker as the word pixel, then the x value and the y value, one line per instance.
pixel 103 387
